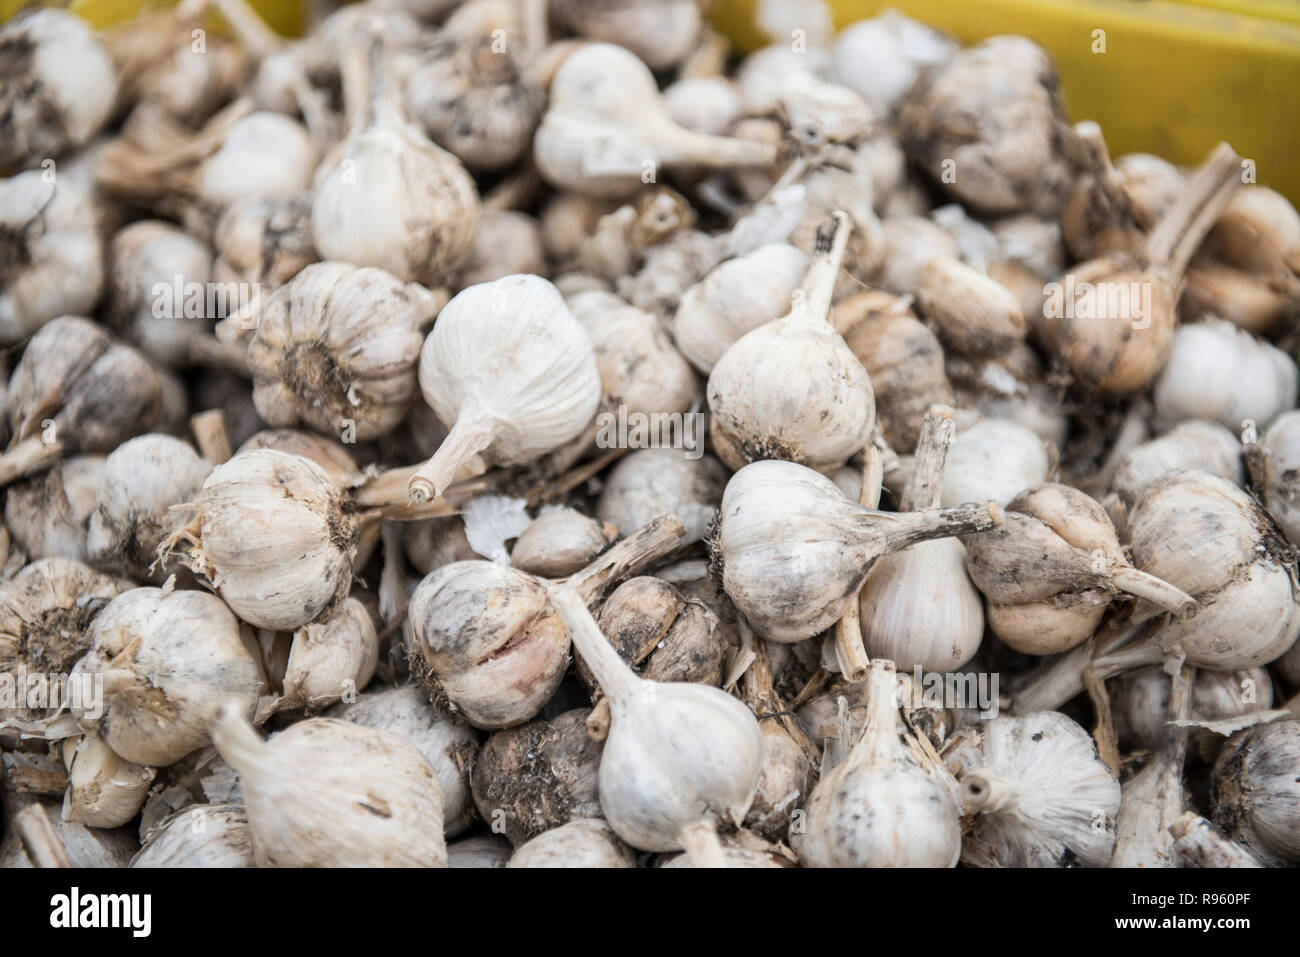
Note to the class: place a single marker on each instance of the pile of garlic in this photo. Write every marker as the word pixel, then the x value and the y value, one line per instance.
pixel 505 433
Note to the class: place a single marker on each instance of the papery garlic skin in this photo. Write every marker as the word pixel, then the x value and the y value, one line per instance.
pixel 332 657
pixel 1140 701
pixel 201 835
pixel 993 459
pixel 1194 444
pixel 61 86
pixel 52 253
pixel 337 348
pixel 144 480
pixel 326 793
pixel 580 843
pixel 274 538
pixel 103 789
pixel 170 658
pixel 1255 792
pixel 652 482
pixel 1224 374
pixel 1041 796
pixel 444 739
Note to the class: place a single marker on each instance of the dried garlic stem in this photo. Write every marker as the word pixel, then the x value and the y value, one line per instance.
pixel 1175 238
pixel 468 437
pixel 209 430
pixel 633 553
pixel 39 837
pixel 849 647
pixel 31 455
pixel 1198 844
pixel 700 839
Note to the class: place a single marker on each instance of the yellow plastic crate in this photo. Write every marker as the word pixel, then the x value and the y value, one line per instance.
pixel 1175 79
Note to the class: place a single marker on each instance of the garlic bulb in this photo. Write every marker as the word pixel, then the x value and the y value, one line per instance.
pixel 703 104
pixel 903 359
pixel 152 264
pixel 993 114
pixel 1255 794
pixel 265 240
pixel 882 57
pixel 652 482
pixel 582 842
pixel 1259 232
pixel 391 198
pixel 331 658
pixel 273 537
pixel 1245 300
pixel 103 790
pixel 1223 374
pixel 170 658
pixel 1273 462
pixel 994 459
pixel 331 456
pixel 640 369
pixel 60 89
pixel 792 551
pixel 493 407
pixel 1194 444
pixel 144 481
pixel 1052 567
pixel 1040 795
pixel 47 515
pixel 75 390
pixel 1198 844
pixel 336 347
pixel 1099 217
pixel 735 298
pixel 791 389
pixel 445 740
pixel 505 242
pixel 538 776
pixel 606 128
pixel 481 851
pixel 976 315
pixel 201 835
pixel 53 260
pixel 910 243
pixel 918 607
pixel 559 542
pixel 1112 319
pixel 660 634
pixel 660 32
pixel 1140 700
pixel 885 805
pixel 780 80
pixel 326 793
pixel 679 758
pixel 486 638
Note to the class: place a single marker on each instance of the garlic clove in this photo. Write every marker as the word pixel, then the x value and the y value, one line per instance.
pixel 559 542
pixel 331 658
pixel 103 789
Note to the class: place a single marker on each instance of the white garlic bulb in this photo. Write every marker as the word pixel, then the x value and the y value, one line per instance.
pixel 336 348
pixel 994 459
pixel 607 125
pixel 331 658
pixel 169 658
pixel 48 514
pixel 882 57
pixel 1273 462
pixel 391 198
pixel 791 389
pixel 444 739
pixel 144 480
pixel 326 793
pixel 60 89
pixel 1140 700
pixel 484 850
pixel 1224 374
pixel 678 757
pixel 910 244
pixel 49 243
pixel 660 32
pixel 736 297
pixel 273 537
pixel 975 314
pixel 103 789
pixel 264 240
pixel 1040 795
pixel 780 80
pixel 201 835
pixel 1255 792
pixel 583 842
pixel 884 805
pixel 472 372
pixel 1194 444
pixel 505 242
pixel 705 104
pixel 652 482
pixel 792 551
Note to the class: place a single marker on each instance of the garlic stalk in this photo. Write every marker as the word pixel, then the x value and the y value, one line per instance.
pixel 918 607
pixel 1255 794
pixel 325 793
pixel 169 658
pixel 1051 569
pixel 472 372
pixel 486 637
pixel 51 256
pixel 273 537
pixel 60 86
pixel 103 790
pixel 1113 319
pixel 582 842
pixel 391 198
pixel 1039 794
pixel 679 759
pixel 791 551
pixel 539 776
pixel 888 804
pixel 791 389
pixel 1099 217
pixel 606 127
pixel 337 347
